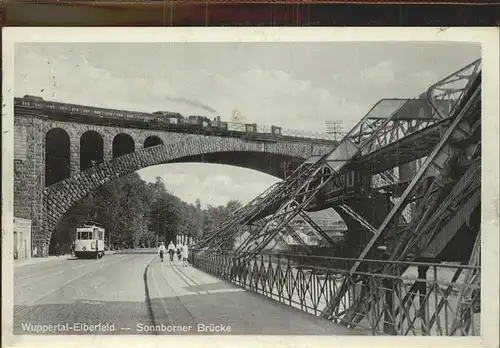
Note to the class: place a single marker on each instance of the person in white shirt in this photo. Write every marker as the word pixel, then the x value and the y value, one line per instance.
pixel 171 251
pixel 179 252
pixel 185 254
pixel 161 251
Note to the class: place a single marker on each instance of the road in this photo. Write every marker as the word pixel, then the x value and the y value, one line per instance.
pixel 137 294
pixel 68 291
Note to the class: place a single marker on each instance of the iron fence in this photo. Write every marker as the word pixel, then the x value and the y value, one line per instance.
pixel 412 299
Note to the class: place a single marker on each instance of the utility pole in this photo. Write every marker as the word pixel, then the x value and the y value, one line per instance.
pixel 334 127
pixel 158 209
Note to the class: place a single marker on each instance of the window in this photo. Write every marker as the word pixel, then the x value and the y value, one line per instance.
pixel 85 235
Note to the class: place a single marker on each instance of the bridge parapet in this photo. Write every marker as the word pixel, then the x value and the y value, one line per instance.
pixel 30 106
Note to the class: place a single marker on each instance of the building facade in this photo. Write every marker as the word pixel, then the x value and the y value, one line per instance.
pixel 22 239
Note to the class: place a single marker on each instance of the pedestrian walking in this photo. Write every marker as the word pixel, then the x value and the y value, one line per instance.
pixel 58 249
pixel 162 251
pixel 179 252
pixel 171 250
pixel 185 254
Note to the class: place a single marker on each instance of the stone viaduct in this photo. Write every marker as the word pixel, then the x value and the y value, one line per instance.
pixel 59 157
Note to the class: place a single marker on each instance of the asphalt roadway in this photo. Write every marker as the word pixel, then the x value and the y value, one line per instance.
pixel 135 293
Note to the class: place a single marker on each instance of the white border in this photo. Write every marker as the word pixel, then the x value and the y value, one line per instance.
pixel 489 37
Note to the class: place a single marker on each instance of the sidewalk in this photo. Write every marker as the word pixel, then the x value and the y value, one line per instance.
pixel 186 299
pixel 37 260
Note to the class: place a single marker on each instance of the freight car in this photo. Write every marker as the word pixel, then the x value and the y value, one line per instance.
pixel 158 120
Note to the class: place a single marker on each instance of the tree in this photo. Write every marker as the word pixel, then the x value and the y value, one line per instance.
pixel 213 217
pixel 136 214
pixel 199 218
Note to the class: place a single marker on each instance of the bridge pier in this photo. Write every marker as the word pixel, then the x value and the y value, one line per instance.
pixel 29 178
pixel 74 158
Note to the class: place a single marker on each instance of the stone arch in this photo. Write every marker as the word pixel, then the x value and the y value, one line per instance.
pixel 266 162
pixel 57 156
pixel 152 140
pixel 59 197
pixel 91 149
pixel 123 144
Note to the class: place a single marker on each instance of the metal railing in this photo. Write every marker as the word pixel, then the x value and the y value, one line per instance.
pixel 400 303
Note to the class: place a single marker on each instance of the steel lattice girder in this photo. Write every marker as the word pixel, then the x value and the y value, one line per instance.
pixel 436 159
pixel 266 200
pixel 376 130
pixel 336 160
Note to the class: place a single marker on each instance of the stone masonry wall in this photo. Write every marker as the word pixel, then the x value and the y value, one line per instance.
pixel 29 173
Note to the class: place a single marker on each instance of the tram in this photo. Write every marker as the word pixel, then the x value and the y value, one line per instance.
pixel 89 242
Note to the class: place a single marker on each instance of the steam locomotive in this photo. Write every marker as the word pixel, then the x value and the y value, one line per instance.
pixel 176 120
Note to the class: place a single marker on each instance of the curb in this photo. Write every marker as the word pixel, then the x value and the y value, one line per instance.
pixel 148 295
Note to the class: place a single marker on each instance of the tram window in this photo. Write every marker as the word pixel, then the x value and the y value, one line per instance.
pixel 85 235
pixel 101 237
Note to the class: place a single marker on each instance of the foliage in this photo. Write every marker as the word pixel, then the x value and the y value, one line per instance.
pixel 213 217
pixel 135 213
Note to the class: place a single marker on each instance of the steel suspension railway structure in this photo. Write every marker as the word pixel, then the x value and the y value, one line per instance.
pixel 426 222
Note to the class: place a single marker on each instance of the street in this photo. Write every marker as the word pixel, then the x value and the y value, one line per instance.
pixel 69 291
pixel 134 293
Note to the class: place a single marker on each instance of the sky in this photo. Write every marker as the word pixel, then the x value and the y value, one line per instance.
pixel 293 85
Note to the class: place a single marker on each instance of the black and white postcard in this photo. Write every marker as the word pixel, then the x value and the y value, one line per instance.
pixel 190 186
